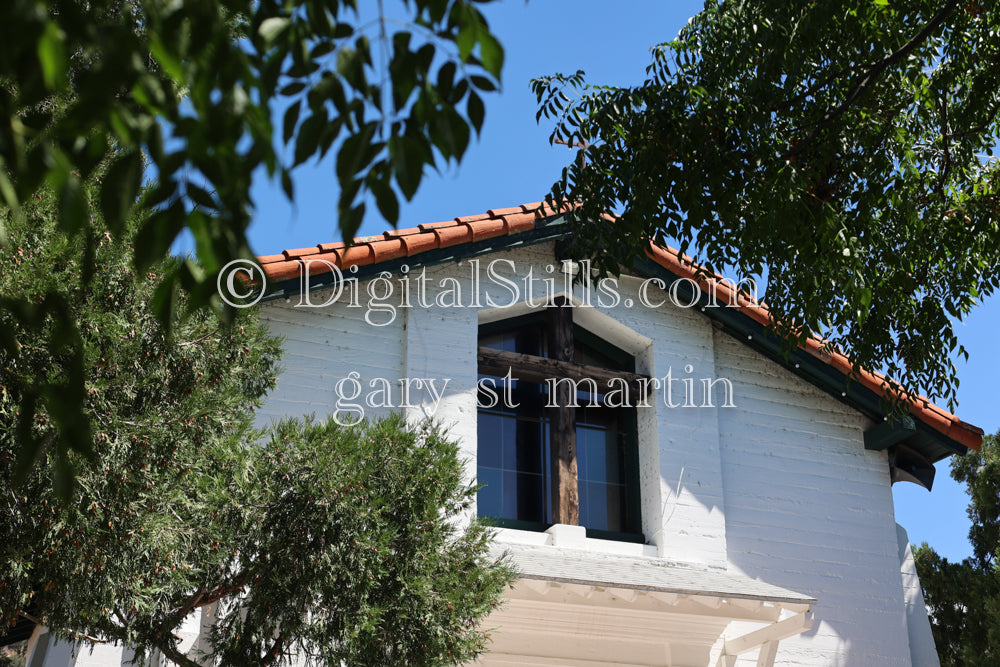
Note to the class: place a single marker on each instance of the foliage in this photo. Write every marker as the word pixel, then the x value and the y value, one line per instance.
pixel 964 598
pixel 840 149
pixel 14 655
pixel 191 86
pixel 312 538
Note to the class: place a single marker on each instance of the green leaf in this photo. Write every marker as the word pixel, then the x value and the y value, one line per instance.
pixel 292 89
pixel 52 56
pixel 10 199
pixel 73 205
pixel 476 111
pixel 491 53
pixel 164 301
pixel 446 79
pixel 307 141
pixel 290 120
pixel 200 196
pixel 157 234
pixel 385 199
pixel 120 189
pixel 408 154
pixel 482 83
pixel 350 220
pixel 170 63
pixel 355 154
pixel 272 28
pixel 466 39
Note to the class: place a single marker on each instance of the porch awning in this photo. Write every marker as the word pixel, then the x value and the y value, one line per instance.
pixel 574 607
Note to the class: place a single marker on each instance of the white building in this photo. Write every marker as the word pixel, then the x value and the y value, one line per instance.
pixel 738 512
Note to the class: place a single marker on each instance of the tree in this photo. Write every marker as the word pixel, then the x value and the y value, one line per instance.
pixel 342 543
pixel 191 87
pixel 841 150
pixel 964 598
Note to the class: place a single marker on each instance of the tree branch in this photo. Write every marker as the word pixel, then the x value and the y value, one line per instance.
pixel 946 141
pixel 222 590
pixel 79 635
pixel 170 651
pixel 869 78
pixel 276 649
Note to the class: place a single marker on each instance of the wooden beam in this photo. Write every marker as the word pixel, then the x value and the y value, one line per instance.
pixel 768 652
pixel 565 495
pixel 726 660
pixel 770 633
pixel 885 435
pixel 539 369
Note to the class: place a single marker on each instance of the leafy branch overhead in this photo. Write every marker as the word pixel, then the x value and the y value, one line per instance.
pixel 843 151
pixel 189 89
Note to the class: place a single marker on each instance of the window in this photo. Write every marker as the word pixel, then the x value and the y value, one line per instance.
pixel 542 460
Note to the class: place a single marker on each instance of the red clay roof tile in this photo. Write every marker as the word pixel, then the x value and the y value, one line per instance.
pixel 500 212
pixel 449 236
pixel 428 226
pixel 395 233
pixel 473 218
pixel 357 255
pixel 519 222
pixel 280 271
pixel 388 250
pixel 419 243
pixel 301 252
pixel 488 229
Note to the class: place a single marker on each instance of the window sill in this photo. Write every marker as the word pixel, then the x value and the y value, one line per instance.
pixel 562 536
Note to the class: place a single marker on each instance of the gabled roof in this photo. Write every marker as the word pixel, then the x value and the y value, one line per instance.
pixel 937 432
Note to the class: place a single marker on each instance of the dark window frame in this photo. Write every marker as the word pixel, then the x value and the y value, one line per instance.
pixel 624 366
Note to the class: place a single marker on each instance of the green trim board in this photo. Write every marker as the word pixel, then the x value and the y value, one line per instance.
pixel 928 442
pixel 889 433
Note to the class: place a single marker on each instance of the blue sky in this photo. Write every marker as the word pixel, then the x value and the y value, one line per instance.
pixel 512 163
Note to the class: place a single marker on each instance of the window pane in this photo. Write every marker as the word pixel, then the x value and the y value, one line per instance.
pixel 530 449
pixel 604 508
pixel 530 497
pixel 488 497
pixel 489 440
pixel 601 470
pixel 512 456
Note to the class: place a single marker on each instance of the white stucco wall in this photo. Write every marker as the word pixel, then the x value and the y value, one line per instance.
pixel 922 651
pixel 808 508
